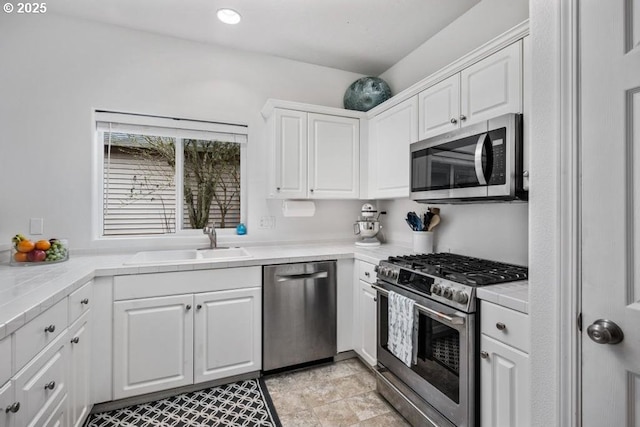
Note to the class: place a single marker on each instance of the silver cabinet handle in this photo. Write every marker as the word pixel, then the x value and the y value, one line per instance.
pixel 13 408
pixel 50 328
pixel 50 385
pixel 463 117
pixel 453 121
pixel 188 307
pixel 501 326
pixel 199 306
pixel 604 331
pixel 367 274
pixel 85 301
pixel 484 355
pixel 75 340
pixel 290 277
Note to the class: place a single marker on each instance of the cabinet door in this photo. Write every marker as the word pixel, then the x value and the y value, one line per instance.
pixel 504 384
pixel 390 134
pixel 153 345
pixel 492 87
pixel 228 335
pixel 290 151
pixel 6 401
pixel 334 157
pixel 367 345
pixel 439 108
pixel 79 371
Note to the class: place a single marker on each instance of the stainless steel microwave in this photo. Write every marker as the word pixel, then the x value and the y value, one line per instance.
pixel 480 162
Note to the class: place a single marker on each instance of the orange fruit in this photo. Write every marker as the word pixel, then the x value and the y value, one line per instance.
pixel 25 246
pixel 43 245
pixel 20 257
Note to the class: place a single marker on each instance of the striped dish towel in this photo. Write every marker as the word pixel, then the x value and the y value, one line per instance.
pixel 403 328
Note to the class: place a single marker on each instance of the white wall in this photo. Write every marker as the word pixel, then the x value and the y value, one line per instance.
pixel 481 23
pixel 56 71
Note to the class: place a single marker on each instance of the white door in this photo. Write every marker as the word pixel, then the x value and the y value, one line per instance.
pixel 152 344
pixel 610 209
pixel 290 152
pixel 228 333
pixel 504 385
pixel 79 371
pixel 334 157
pixel 439 107
pixel 8 405
pixel 368 340
pixel 390 135
pixel 492 87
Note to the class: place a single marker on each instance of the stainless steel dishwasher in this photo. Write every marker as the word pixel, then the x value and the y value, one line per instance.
pixel 299 313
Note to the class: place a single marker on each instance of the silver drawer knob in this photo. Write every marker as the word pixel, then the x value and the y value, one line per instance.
pixel 453 121
pixel 85 301
pixel 199 306
pixel 501 326
pixel 188 307
pixel 366 273
pixel 13 408
pixel 463 117
pixel 50 328
pixel 75 340
pixel 484 354
pixel 50 385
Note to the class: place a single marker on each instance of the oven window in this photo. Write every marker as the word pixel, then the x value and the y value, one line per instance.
pixel 438 352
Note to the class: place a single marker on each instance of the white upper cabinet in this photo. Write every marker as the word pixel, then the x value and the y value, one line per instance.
pixel 334 157
pixel 439 107
pixel 492 87
pixel 290 169
pixel 390 135
pixel 486 89
pixel 314 155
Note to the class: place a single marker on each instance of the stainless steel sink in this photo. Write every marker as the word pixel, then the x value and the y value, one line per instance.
pixel 189 256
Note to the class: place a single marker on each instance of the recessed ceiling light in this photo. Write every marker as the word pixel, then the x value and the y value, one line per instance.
pixel 228 16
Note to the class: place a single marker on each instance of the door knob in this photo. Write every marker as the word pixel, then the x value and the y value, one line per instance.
pixel 604 331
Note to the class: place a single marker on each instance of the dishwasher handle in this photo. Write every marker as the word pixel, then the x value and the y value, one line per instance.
pixel 290 277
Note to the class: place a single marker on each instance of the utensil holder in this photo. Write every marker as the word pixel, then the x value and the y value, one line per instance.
pixel 423 242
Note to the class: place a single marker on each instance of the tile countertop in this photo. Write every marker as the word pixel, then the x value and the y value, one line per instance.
pixel 511 295
pixel 26 292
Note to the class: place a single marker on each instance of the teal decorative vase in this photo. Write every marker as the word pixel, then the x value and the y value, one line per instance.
pixel 365 93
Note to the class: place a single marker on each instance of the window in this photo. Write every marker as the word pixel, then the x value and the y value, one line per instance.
pixel 165 176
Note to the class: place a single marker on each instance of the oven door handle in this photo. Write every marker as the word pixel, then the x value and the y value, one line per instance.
pixel 444 318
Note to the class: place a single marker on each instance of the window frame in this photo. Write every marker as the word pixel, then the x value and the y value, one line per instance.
pixel 180 234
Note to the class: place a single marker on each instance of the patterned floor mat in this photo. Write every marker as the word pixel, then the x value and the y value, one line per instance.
pixel 240 404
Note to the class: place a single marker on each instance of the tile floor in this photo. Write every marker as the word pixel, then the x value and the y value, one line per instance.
pixel 340 394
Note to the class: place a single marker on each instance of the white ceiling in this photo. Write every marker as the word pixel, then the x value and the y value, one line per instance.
pixel 363 36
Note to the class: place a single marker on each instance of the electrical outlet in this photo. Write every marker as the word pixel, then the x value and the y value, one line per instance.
pixel 268 222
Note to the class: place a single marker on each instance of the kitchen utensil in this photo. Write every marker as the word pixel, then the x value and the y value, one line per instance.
pixel 434 222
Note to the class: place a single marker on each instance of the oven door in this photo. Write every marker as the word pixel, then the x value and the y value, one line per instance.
pixel 444 375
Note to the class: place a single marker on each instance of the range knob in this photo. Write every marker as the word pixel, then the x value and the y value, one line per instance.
pixel 460 297
pixel 436 289
pixel 395 274
pixel 447 293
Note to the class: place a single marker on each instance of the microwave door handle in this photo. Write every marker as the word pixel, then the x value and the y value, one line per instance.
pixel 478 159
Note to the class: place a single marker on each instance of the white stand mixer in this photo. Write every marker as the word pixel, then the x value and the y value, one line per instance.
pixel 367 226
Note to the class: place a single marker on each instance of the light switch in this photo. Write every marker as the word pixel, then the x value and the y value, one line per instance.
pixel 36 226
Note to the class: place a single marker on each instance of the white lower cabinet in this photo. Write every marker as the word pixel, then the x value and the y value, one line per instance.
pixel 365 313
pixel 504 367
pixel 79 399
pixel 153 344
pixel 227 333
pixel 172 341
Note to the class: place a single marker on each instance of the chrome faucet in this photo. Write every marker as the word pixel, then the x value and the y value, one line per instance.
pixel 213 237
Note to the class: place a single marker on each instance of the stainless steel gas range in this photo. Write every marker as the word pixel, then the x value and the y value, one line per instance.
pixel 442 388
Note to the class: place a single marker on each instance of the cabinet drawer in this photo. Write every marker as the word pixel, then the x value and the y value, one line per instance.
pixel 505 325
pixel 32 337
pixel 5 360
pixel 41 385
pixel 80 301
pixel 367 273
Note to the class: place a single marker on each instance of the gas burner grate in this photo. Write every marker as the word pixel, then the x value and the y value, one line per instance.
pixel 462 269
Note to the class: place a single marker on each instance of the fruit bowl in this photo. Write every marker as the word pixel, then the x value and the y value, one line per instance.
pixel 29 252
